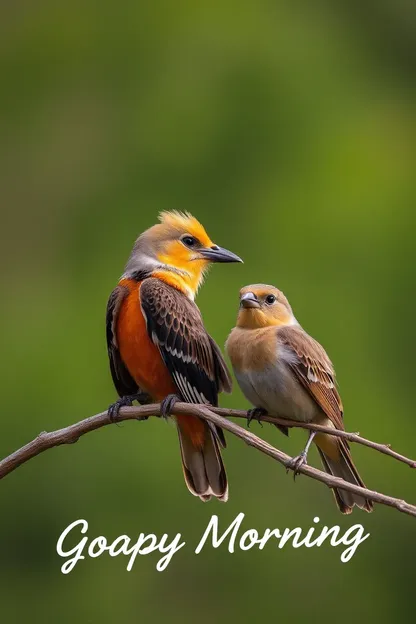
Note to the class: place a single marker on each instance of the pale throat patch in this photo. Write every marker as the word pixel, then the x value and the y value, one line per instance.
pixel 189 292
pixel 292 321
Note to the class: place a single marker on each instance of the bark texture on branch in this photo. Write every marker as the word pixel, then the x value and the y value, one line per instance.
pixel 70 434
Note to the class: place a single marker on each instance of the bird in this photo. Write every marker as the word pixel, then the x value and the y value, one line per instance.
pixel 158 347
pixel 284 372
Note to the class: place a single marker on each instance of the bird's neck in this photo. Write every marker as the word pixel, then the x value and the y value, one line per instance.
pixel 255 319
pixel 181 280
pixel 186 278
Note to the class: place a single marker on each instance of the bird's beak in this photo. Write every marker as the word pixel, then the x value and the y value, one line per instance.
pixel 218 254
pixel 249 300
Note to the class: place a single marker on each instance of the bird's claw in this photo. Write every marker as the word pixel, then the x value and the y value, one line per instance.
pixel 114 409
pixel 255 414
pixel 296 463
pixel 168 404
pixel 127 401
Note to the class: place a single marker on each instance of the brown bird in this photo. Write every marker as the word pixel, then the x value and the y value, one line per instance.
pixel 284 372
pixel 158 346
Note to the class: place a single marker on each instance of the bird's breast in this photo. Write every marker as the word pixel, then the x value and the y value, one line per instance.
pixel 252 349
pixel 278 391
pixel 139 354
pixel 263 372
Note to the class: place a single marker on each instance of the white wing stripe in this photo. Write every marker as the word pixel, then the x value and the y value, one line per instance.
pixel 189 392
pixel 178 354
pixel 183 388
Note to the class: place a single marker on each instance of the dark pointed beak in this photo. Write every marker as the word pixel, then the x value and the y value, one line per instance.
pixel 249 300
pixel 218 254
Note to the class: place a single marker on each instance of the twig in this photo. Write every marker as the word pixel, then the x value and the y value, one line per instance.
pixel 71 434
pixel 352 437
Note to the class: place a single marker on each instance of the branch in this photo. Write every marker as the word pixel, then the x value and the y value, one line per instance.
pixel 71 434
pixel 352 437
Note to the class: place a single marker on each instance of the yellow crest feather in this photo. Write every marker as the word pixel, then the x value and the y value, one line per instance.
pixel 185 222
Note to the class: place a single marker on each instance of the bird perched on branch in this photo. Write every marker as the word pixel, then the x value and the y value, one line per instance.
pixel 158 347
pixel 284 372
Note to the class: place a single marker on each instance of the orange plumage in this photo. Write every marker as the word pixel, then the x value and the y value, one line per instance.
pixel 143 359
pixel 138 352
pixel 158 345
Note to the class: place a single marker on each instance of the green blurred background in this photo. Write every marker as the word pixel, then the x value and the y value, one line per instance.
pixel 288 129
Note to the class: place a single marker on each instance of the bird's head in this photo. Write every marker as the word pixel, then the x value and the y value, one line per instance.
pixel 263 306
pixel 178 246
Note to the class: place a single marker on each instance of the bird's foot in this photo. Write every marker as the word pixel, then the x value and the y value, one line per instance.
pixel 127 401
pixel 296 463
pixel 255 414
pixel 168 404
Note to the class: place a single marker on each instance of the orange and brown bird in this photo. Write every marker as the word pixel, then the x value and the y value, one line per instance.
pixel 284 372
pixel 158 346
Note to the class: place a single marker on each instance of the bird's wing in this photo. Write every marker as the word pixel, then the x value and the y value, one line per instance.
pixel 313 368
pixel 175 325
pixel 122 379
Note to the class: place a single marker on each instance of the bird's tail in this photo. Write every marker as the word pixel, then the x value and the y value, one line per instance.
pixel 340 464
pixel 202 464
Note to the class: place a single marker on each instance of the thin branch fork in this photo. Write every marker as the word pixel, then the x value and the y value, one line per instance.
pixel 71 434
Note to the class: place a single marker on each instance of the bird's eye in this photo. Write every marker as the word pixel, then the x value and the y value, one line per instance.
pixel 270 299
pixel 189 241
